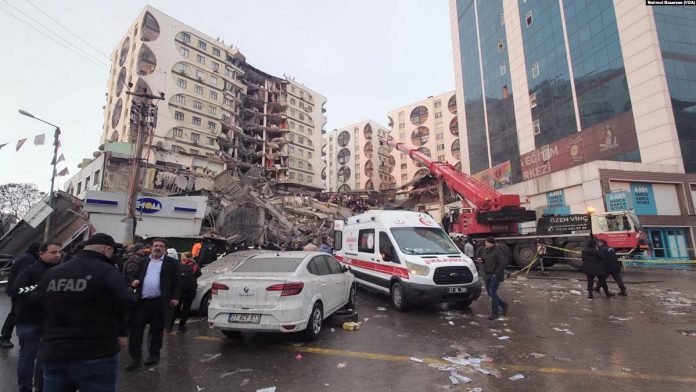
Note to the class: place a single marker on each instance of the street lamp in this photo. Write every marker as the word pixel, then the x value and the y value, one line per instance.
pixel 56 135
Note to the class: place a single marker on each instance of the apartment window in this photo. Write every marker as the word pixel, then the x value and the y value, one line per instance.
pixel 216 67
pixel 300 164
pixel 532 100
pixel 440 147
pixel 198 105
pixel 195 137
pixel 437 103
pixel 439 136
pixel 214 80
pixel 212 110
pixel 403 166
pixel 309 178
pixel 183 68
pixel 501 46
pixel 309 154
pixel 537 128
pixel 292 101
pixel 213 95
pixel 292 150
pixel 225 118
pixel 300 140
pixel 292 175
pixel 186 37
pixel 503 69
pixel 302 105
pixel 96 177
pixel 79 188
pixel 198 90
pixel 216 52
pixel 199 74
pixel 528 18
pixel 196 121
pixel 181 83
pixel 200 59
pixel 194 152
pixel 291 137
pixel 211 125
pixel 229 73
pixel 210 141
pixel 535 70
pixel 440 158
pixel 404 177
pixel 225 101
pixel 202 45
pixel 178 132
pixel 301 116
pixel 184 52
pixel 438 114
pixel 292 125
pixel 300 176
pixel 357 176
pixel 177 149
pixel 179 116
pixel 301 152
pixel 402 126
pixel 180 99
pixel 301 128
pixel 506 92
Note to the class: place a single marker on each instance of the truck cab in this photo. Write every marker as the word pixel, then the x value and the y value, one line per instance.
pixel 406 255
pixel 621 230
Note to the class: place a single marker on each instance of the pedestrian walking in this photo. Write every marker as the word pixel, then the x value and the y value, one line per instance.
pixel 613 265
pixel 86 306
pixel 446 223
pixel 595 266
pixel 493 269
pixel 30 315
pixel 189 273
pixel 132 265
pixel 469 248
pixel 158 289
pixel 20 263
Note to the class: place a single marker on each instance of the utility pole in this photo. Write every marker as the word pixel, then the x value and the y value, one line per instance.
pixel 143 122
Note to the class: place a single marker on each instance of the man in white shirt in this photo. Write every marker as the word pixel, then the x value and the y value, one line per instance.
pixel 158 288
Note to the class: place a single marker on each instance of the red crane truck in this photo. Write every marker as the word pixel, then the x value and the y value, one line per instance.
pixel 487 212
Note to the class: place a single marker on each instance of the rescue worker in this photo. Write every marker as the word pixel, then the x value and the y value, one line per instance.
pixel 613 265
pixel 30 315
pixel 594 266
pixel 86 306
pixel 493 270
pixel 24 260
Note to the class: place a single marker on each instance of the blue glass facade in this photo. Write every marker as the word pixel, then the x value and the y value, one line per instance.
pixel 473 89
pixel 547 69
pixel 676 30
pixel 502 128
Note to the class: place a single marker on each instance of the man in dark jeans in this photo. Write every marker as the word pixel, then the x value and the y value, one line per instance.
pixel 613 265
pixel 30 314
pixel 24 260
pixel 158 290
pixel 493 270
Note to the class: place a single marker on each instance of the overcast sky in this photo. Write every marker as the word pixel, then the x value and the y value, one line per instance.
pixel 366 57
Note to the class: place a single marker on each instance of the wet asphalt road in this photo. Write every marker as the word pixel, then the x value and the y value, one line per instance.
pixel 558 340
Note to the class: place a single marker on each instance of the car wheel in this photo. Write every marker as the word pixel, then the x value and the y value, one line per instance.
pixel 398 297
pixel 231 334
pixel 343 316
pixel 314 324
pixel 205 302
pixel 352 295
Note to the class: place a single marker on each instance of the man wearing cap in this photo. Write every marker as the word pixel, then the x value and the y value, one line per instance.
pixel 158 290
pixel 493 270
pixel 86 306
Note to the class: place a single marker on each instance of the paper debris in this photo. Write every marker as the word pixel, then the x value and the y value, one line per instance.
pixel 414 359
pixel 516 377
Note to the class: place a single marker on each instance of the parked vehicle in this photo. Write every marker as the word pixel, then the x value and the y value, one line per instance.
pixel 281 292
pixel 407 255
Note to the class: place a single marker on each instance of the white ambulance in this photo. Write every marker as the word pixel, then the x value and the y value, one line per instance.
pixel 407 255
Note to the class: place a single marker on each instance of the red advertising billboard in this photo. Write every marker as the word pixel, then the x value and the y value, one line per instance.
pixel 601 141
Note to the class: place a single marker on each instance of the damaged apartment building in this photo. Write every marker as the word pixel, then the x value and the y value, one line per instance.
pixel 219 114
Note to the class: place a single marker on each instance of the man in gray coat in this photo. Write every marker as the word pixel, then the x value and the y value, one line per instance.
pixel 493 270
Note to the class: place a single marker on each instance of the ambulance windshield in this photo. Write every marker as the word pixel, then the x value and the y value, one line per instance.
pixel 423 241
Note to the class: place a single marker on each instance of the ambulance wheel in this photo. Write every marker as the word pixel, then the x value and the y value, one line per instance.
pixel 574 259
pixel 398 297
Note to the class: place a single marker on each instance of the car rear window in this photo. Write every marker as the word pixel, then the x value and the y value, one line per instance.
pixel 275 264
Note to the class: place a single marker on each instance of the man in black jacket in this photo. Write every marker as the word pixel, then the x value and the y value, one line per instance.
pixel 613 265
pixel 30 313
pixel 493 270
pixel 594 265
pixel 86 306
pixel 158 289
pixel 24 260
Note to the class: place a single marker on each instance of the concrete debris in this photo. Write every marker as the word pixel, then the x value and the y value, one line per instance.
pixel 575 292
pixel 477 389
pixel 516 377
pixel 620 318
pixel 504 338
pixel 268 389
pixel 341 365
pixel 227 374
pixel 566 330
pixel 688 333
pixel 211 357
pixel 414 359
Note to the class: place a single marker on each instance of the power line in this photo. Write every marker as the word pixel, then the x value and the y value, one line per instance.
pixel 56 34
pixel 54 40
pixel 68 30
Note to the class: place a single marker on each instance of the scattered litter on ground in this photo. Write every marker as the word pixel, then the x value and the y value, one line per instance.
pixel 351 326
pixel 575 292
pixel 199 389
pixel 244 382
pixel 223 375
pixel 565 330
pixel 503 338
pixel 341 365
pixel 537 355
pixel 521 279
pixel 333 330
pixel 688 333
pixel 516 377
pixel 517 302
pixel 366 319
pixel 477 389
pixel 269 389
pixel 211 357
pixel 298 356
pixel 459 377
pixel 473 323
pixel 414 359
pixel 450 322
pixel 620 318
pixel 594 369
pixel 627 370
pixel 454 380
pixel 381 309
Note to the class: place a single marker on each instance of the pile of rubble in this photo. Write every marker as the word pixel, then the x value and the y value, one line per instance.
pixel 245 208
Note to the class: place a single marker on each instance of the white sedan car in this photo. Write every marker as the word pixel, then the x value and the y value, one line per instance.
pixel 281 292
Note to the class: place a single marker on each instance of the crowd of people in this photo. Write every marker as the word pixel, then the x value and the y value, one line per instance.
pixel 75 311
